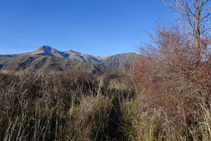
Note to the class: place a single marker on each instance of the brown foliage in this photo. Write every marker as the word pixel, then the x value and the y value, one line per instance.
pixel 170 77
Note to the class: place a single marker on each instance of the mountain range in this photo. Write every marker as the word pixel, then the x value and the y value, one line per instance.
pixel 48 58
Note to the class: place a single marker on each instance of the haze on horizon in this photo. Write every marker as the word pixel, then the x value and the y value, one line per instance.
pixel 96 27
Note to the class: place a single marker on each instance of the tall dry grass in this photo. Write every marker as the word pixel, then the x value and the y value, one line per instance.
pixel 69 105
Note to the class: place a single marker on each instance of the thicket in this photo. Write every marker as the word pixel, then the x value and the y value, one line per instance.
pixel 68 105
pixel 173 87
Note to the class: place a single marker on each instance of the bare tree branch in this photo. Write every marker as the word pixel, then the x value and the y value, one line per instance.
pixel 195 14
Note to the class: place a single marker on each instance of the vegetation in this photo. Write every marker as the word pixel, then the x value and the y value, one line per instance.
pixel 164 96
pixel 173 88
pixel 68 105
pixel 195 18
pixel 173 81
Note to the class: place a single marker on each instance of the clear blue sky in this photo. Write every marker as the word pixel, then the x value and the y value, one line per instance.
pixel 96 27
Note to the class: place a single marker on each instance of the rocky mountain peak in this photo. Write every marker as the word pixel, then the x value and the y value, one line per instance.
pixel 45 47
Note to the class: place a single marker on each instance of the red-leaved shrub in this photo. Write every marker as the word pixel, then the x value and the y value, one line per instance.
pixel 169 77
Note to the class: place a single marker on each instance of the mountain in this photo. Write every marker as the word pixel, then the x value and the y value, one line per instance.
pixel 70 55
pixel 114 61
pixel 119 60
pixel 7 57
pixel 46 51
pixel 76 56
pixel 45 63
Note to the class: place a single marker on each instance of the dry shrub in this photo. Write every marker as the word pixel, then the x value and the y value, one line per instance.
pixel 171 81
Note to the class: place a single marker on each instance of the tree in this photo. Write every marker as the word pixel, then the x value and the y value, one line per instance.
pixel 195 15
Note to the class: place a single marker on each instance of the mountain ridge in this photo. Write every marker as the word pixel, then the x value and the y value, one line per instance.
pixel 114 61
pixel 70 54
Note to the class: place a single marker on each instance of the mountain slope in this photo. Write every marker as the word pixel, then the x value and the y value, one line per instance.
pixel 76 56
pixel 119 60
pixel 114 61
pixel 7 57
pixel 44 63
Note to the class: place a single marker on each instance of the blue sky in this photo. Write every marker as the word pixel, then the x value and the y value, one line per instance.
pixel 96 27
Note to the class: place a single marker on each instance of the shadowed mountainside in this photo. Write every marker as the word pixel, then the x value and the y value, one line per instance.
pixel 119 60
